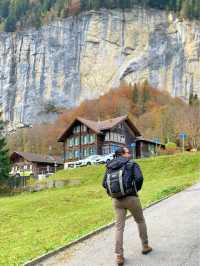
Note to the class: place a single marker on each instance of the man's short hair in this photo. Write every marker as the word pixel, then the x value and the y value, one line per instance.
pixel 119 152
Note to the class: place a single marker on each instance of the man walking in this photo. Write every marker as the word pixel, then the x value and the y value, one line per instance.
pixel 123 179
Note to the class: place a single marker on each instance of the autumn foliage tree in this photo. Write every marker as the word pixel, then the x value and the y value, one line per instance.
pixel 152 110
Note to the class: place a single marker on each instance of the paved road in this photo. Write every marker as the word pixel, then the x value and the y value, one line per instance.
pixel 174 233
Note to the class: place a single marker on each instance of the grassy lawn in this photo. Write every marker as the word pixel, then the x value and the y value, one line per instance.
pixel 34 223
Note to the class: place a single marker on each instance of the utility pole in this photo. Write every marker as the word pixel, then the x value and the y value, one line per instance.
pixel 183 136
pixel 183 145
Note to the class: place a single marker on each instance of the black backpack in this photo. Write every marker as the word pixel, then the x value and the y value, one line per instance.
pixel 124 181
pixel 138 176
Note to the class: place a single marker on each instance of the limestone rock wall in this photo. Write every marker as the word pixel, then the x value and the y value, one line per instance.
pixel 83 57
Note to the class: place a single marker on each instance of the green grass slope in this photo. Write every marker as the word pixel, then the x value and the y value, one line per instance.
pixel 34 223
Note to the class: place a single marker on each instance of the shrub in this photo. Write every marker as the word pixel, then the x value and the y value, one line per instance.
pixel 171 148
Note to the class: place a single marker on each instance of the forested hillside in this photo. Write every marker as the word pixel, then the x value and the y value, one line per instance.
pixel 152 111
pixel 18 14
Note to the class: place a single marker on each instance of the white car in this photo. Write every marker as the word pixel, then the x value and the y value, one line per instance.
pixel 106 158
pixel 70 165
pixel 93 159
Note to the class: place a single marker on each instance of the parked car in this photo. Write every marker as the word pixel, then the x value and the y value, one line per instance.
pixel 106 158
pixel 71 164
pixel 93 159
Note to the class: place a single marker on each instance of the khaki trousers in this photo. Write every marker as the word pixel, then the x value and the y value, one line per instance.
pixel 121 206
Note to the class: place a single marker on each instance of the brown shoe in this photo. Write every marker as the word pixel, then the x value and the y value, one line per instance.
pixel 120 260
pixel 146 249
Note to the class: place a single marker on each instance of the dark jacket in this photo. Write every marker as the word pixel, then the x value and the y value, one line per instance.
pixel 129 168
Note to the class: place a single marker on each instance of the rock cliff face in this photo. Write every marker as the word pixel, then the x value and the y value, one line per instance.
pixel 83 57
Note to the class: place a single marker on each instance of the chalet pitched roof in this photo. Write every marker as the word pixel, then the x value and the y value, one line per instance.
pixel 110 123
pixel 33 157
pixel 99 126
pixel 91 124
pixel 102 125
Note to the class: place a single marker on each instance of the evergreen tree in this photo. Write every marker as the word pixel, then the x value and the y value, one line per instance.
pixel 22 12
pixel 187 9
pixel 146 94
pixel 135 95
pixel 4 8
pixel 145 97
pixel 10 24
pixel 193 99
pixel 4 157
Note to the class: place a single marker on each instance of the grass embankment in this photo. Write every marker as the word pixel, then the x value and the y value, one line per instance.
pixel 34 223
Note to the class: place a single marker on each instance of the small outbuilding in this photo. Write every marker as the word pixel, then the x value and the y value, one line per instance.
pixel 36 164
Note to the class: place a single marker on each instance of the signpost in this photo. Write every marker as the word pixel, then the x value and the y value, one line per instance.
pixel 183 136
pixel 55 165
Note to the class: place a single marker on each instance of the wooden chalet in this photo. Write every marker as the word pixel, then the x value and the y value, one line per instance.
pixel 36 163
pixel 84 137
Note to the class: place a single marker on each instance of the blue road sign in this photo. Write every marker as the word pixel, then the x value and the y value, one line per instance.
pixel 183 136
pixel 133 144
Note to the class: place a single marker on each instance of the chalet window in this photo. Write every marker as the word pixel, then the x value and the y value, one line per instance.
pixel 122 138
pixel 111 136
pixel 83 128
pixel 77 142
pixel 76 129
pixel 77 154
pixel 67 142
pixel 88 138
pixel 70 142
pixel 86 152
pixel 85 139
pixel 92 138
pixel 107 137
pixel 115 137
pixel 70 155
pixel 120 125
pixel 92 151
pixel 106 149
